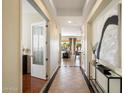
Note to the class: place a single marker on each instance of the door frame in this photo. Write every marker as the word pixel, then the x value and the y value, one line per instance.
pixel 40 11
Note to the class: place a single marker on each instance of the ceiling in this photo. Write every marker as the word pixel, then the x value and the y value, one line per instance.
pixel 69 3
pixel 70 29
pixel 70 10
pixel 69 7
pixel 75 20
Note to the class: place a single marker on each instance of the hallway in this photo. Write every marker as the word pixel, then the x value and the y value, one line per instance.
pixel 41 38
pixel 69 79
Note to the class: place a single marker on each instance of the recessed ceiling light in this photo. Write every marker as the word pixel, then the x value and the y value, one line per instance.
pixel 69 21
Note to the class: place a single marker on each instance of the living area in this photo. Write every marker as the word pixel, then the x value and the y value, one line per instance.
pixel 71 50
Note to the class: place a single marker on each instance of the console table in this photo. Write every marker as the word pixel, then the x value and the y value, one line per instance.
pixel 109 81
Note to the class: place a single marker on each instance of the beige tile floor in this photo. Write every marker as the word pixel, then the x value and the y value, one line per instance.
pixel 71 61
pixel 69 79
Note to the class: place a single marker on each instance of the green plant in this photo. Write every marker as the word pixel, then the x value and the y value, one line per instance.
pixel 78 45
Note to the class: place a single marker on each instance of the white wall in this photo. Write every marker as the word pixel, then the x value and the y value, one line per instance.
pixel 27 20
pixel 84 48
pixel 54 47
pixel 11 66
pixel 29 16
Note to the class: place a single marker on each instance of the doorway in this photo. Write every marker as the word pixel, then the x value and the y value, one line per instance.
pixel 34 48
pixel 70 51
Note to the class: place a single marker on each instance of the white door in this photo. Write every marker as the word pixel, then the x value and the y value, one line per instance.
pixel 38 64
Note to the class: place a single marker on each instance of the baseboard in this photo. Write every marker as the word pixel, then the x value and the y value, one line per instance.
pixel 49 82
pixel 87 81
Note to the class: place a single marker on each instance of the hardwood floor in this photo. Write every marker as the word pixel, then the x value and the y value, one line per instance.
pixel 32 84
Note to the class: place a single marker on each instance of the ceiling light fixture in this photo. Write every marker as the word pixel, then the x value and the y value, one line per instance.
pixel 69 21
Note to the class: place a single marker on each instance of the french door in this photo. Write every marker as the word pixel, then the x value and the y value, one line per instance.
pixel 38 64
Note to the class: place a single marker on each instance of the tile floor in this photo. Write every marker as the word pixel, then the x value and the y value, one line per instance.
pixel 69 79
pixel 72 61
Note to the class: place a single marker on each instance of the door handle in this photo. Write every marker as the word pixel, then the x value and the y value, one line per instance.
pixel 46 59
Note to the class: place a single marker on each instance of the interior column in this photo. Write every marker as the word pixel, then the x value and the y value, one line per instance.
pixel 70 42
